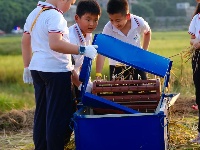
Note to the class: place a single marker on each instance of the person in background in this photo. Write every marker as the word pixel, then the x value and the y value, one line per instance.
pixel 128 28
pixel 46 53
pixel 193 30
pixel 87 16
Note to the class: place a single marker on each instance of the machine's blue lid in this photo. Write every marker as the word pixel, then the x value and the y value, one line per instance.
pixel 99 102
pixel 132 55
pixel 125 53
pixel 85 73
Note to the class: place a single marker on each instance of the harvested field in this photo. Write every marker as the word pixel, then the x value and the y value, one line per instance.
pixel 16 128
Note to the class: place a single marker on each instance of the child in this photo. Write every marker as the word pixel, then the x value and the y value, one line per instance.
pixel 46 55
pixel 127 28
pixel 87 16
pixel 194 29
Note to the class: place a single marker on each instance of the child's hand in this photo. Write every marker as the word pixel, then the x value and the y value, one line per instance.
pixel 90 51
pixel 98 78
pixel 27 78
pixel 196 43
pixel 88 88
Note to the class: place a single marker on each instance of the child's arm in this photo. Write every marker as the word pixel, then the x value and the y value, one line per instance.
pixel 26 55
pixel 99 65
pixel 192 40
pixel 26 49
pixel 146 40
pixel 57 44
pixel 75 78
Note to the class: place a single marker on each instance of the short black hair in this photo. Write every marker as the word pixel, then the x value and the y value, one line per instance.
pixel 88 6
pixel 117 6
pixel 197 10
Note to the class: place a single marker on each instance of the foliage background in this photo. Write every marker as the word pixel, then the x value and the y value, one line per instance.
pixel 14 13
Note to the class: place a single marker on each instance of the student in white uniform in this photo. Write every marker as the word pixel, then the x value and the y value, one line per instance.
pixel 193 30
pixel 128 28
pixel 87 16
pixel 46 55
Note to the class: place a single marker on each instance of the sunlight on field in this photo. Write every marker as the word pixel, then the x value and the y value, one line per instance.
pixel 11 69
pixel 10 45
pixel 14 93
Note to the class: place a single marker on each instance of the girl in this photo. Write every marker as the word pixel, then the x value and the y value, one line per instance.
pixel 194 31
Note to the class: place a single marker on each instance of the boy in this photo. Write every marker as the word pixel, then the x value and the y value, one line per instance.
pixel 127 28
pixel 87 16
pixel 46 55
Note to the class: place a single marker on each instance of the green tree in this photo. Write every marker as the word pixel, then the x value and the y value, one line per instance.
pixel 142 10
pixel 170 11
pixel 159 7
pixel 14 13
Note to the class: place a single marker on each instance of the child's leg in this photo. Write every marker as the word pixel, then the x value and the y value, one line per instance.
pixel 199 123
pixel 196 75
pixel 118 70
pixel 39 129
pixel 58 110
pixel 196 79
pixel 113 70
pixel 141 73
pixel 128 73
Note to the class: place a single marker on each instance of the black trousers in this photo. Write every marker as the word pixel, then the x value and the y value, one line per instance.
pixel 196 79
pixel 54 109
pixel 132 71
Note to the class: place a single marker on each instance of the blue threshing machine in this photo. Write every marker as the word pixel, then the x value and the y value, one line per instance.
pixel 133 129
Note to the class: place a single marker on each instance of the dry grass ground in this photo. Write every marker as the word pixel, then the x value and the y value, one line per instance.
pixel 16 128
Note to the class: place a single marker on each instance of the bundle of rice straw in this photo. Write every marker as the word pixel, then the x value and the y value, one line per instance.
pixel 192 54
pixel 189 53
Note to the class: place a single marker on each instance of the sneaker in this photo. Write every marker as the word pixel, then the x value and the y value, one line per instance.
pixel 196 140
pixel 195 107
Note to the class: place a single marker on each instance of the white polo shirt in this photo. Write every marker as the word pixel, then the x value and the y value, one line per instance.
pixel 52 20
pixel 76 37
pixel 138 27
pixel 194 28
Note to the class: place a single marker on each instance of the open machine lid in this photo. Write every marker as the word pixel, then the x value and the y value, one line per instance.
pixel 132 55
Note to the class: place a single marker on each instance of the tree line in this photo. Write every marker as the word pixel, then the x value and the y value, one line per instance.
pixel 159 8
pixel 14 13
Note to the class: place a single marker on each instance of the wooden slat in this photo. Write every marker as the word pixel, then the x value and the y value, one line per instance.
pixel 132 98
pixel 141 95
pixel 126 82
pixel 125 88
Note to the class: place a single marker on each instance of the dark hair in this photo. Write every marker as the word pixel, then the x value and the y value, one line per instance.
pixel 88 6
pixel 197 10
pixel 117 6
